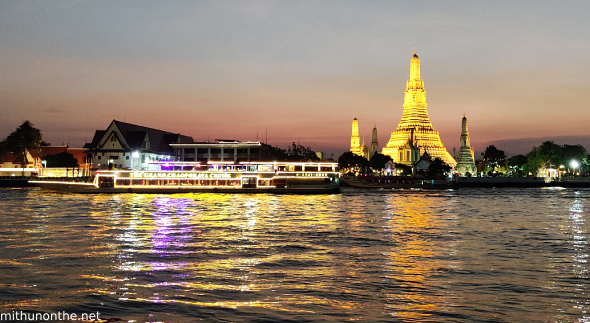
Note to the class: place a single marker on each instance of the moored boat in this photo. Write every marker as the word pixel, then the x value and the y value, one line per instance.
pixel 217 177
pixel 399 182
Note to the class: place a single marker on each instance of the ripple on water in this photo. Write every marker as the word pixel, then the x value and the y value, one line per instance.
pixel 453 255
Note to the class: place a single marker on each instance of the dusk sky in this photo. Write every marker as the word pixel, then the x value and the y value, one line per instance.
pixel 300 70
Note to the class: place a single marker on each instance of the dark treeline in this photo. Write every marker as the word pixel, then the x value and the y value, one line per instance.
pixel 568 159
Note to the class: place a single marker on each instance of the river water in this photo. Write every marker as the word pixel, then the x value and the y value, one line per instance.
pixel 468 255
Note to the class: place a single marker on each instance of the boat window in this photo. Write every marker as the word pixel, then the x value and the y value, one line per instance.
pixel 123 182
pixel 311 168
pixel 263 168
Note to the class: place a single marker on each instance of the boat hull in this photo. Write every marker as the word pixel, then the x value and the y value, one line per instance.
pixel 83 188
pixel 397 183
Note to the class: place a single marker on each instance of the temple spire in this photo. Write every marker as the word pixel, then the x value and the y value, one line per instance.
pixel 415 127
pixel 355 145
pixel 415 81
pixel 465 162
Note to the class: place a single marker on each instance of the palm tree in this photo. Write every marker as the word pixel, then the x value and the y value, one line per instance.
pixel 26 139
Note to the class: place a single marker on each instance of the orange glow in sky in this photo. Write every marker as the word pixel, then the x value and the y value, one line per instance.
pixel 299 71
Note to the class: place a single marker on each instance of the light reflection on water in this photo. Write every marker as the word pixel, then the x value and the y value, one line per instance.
pixel 463 255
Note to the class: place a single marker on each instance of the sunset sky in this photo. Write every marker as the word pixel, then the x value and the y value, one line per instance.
pixel 299 70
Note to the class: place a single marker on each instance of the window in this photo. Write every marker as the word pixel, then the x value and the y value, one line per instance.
pixel 98 157
pixel 127 157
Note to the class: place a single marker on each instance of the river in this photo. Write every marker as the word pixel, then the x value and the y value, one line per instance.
pixel 467 255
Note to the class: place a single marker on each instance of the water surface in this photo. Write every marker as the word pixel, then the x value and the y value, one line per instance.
pixel 469 255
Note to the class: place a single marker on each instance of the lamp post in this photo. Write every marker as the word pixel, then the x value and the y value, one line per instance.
pixel 574 165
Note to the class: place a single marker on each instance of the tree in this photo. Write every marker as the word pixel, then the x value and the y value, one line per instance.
pixel 548 153
pixel 438 167
pixel 572 153
pixel 586 163
pixel 404 170
pixel 551 153
pixel 25 139
pixel 301 153
pixel 277 153
pixel 516 164
pixel 293 153
pixel 494 159
pixel 351 163
pixel 378 161
pixel 62 159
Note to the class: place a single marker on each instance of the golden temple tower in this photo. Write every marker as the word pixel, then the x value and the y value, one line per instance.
pixel 465 162
pixel 364 150
pixel 415 117
pixel 355 140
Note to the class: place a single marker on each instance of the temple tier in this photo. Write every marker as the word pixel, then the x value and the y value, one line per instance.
pixel 415 121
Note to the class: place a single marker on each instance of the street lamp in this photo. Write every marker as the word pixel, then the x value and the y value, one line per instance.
pixel 574 165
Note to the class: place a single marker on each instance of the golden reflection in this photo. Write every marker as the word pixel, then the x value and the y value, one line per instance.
pixel 412 260
pixel 210 243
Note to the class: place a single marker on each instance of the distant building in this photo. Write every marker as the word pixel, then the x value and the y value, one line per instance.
pixel 355 139
pixel 374 143
pixel 465 162
pixel 409 153
pixel 424 163
pixel 222 151
pixel 415 120
pixel 128 146
pixel 79 154
pixel 361 149
pixel 10 167
pixel 364 150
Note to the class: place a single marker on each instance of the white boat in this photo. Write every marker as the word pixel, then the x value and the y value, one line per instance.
pixel 218 177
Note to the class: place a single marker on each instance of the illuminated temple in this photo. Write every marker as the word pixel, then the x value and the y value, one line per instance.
pixel 415 123
pixel 355 139
pixel 465 163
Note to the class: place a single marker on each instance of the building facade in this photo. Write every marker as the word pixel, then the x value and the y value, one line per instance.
pixel 128 146
pixel 222 151
pixel 415 120
pixel 465 162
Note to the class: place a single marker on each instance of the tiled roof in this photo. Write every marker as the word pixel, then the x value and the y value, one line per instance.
pixel 135 135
